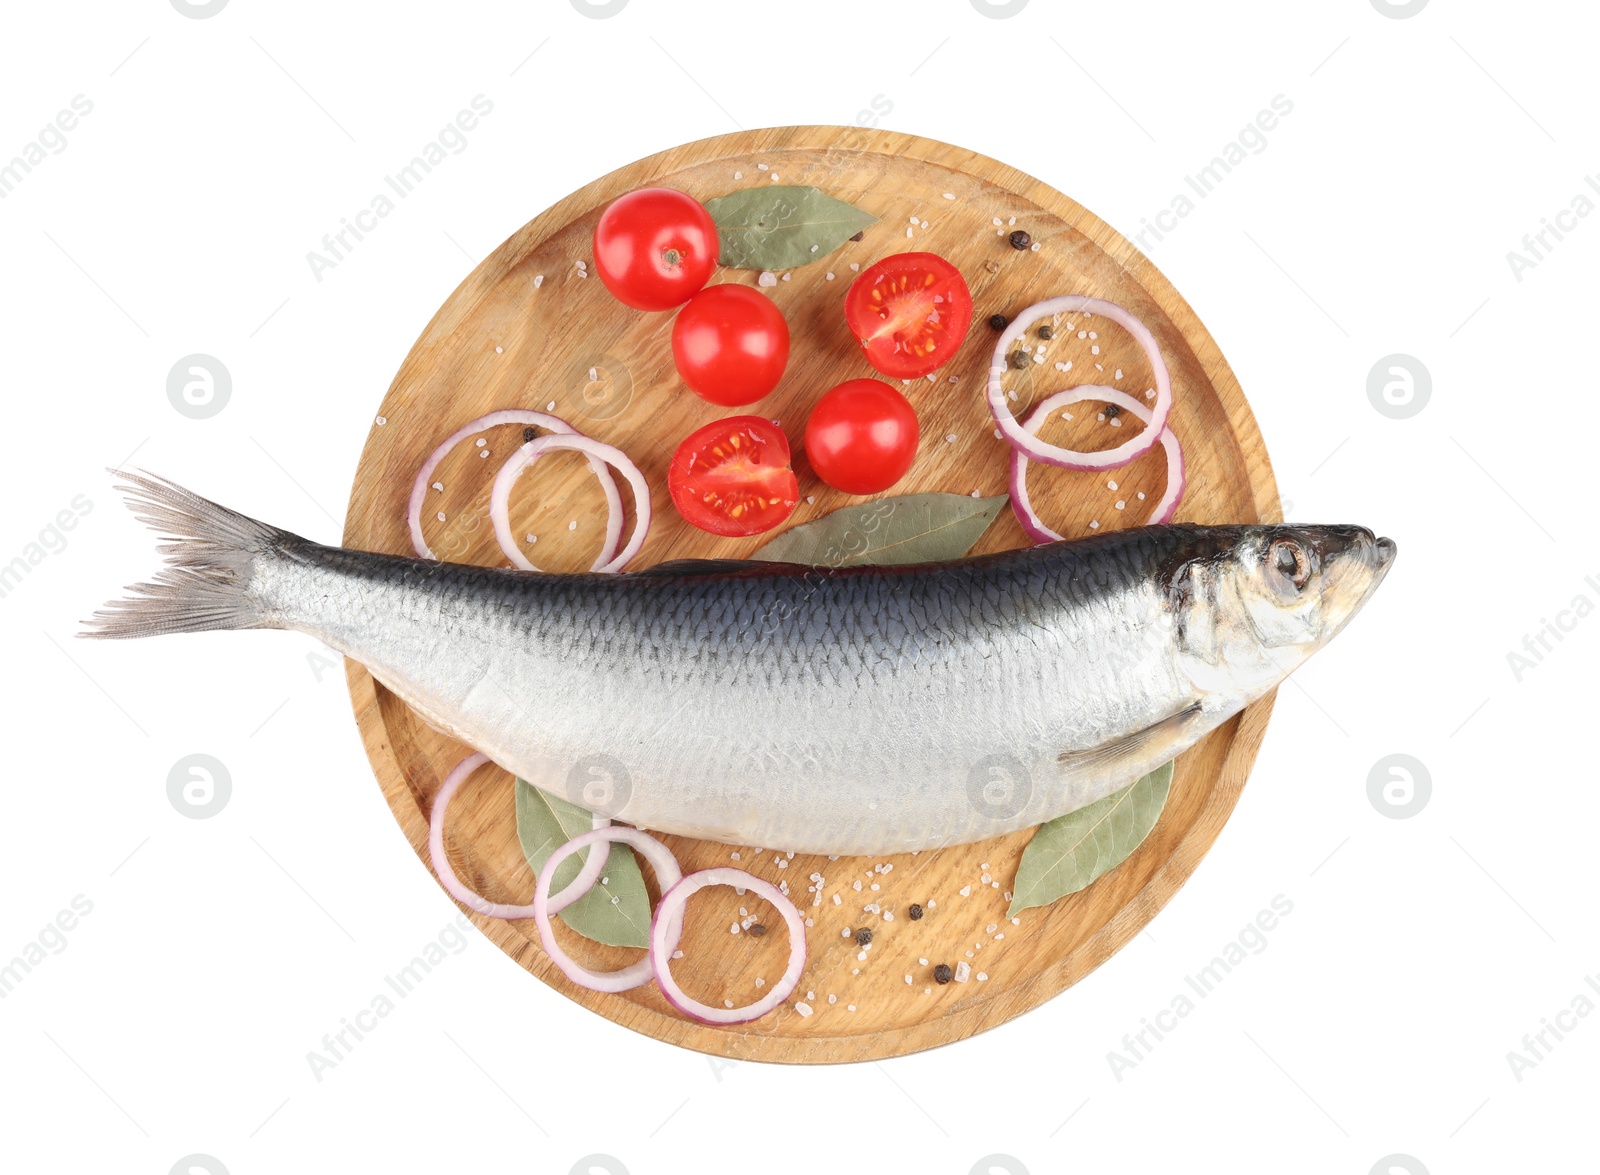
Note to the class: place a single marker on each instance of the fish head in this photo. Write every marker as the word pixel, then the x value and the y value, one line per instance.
pixel 1270 596
pixel 1300 585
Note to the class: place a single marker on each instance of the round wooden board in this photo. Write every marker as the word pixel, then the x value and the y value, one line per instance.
pixel 528 329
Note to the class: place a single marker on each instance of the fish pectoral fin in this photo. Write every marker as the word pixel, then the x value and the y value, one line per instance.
pixel 718 567
pixel 1149 745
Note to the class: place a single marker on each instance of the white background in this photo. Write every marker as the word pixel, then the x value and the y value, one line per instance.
pixel 177 219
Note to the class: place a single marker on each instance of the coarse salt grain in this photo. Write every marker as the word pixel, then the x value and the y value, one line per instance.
pixel 811 500
pixel 380 420
pixel 727 1003
pixel 762 166
pixel 538 280
pixel 803 1009
pixel 1095 350
pixel 830 275
pixel 887 916
pixel 814 248
pixel 785 277
pixel 734 928
pixel 1034 247
pixel 767 279
pixel 908 981
pixel 441 516
pixel 950 438
pixel 1094 525
pixel 992 927
pixel 963 971
pixel 836 899
pixel 997 220
pixel 833 999
pixel 855 265
pixel 550 407
pixel 924 224
pixel 1119 373
pixel 910 232
pixel 982 976
pixel 850 1007
pixel 499 350
pixel 949 195
pixel 1141 495
pixel 532 538
pixel 480 442
pixel 965 891
pixel 1121 505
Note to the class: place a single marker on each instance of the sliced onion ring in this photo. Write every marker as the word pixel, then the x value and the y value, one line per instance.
pixel 1021 439
pixel 593 867
pixel 664 936
pixel 419 488
pixel 667 876
pixel 499 499
pixel 1023 506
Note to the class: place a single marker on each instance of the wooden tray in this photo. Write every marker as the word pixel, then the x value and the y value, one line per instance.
pixel 527 329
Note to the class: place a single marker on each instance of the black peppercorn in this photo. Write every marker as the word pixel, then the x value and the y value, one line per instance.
pixel 863 937
pixel 1019 359
pixel 757 929
pixel 529 433
pixel 859 235
pixel 1112 411
pixel 915 912
pixel 1046 332
pixel 942 973
pixel 1020 240
pixel 998 321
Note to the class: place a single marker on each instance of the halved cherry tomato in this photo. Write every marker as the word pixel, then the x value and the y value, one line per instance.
pixel 862 436
pixel 909 312
pixel 654 248
pixel 730 344
pixel 733 477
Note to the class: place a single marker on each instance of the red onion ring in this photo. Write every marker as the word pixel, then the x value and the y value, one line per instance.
pixel 609 559
pixel 419 488
pixel 663 940
pixel 593 867
pixel 671 929
pixel 1023 506
pixel 1024 441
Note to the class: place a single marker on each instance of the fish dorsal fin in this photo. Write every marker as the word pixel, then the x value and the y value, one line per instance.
pixel 720 567
pixel 1169 733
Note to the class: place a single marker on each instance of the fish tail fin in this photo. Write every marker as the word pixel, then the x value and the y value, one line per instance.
pixel 212 554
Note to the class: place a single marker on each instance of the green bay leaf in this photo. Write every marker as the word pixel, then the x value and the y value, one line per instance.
pixel 1068 853
pixel 776 227
pixel 912 528
pixel 616 911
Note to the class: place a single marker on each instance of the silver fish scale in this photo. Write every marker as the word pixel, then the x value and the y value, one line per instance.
pixel 860 710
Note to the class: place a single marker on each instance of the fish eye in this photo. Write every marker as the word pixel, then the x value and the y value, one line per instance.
pixel 1289 559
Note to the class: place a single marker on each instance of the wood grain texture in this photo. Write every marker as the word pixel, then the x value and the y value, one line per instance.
pixel 526 329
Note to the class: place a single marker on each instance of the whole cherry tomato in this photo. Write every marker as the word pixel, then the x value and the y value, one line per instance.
pixel 654 248
pixel 730 344
pixel 862 436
